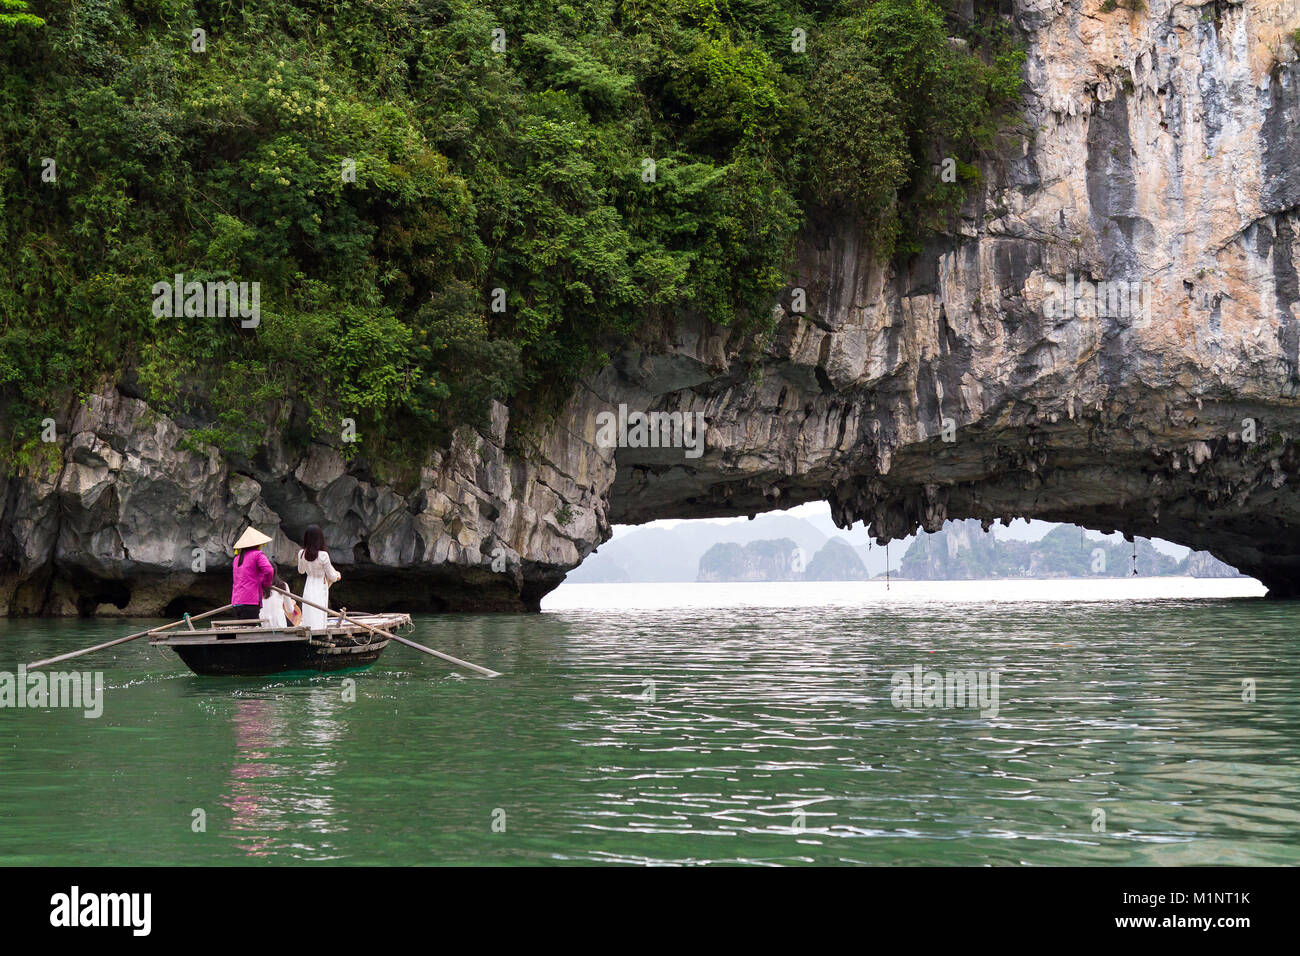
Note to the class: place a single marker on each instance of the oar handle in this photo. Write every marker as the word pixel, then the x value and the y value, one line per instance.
pixel 388 634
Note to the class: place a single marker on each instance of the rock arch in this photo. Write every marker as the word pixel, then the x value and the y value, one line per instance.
pixel 1108 335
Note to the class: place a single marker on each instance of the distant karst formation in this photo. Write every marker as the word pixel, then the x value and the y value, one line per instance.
pixel 961 551
pixel 780 560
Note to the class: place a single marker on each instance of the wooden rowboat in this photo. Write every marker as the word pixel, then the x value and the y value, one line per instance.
pixel 246 649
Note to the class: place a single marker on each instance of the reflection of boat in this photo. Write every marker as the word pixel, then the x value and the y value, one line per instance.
pixel 245 649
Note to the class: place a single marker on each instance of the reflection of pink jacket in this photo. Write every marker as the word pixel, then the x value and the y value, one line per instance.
pixel 250 578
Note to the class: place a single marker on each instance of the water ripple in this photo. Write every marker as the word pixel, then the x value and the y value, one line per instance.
pixel 1125 733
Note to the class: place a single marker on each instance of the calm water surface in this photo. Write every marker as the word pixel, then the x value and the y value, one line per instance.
pixel 696 724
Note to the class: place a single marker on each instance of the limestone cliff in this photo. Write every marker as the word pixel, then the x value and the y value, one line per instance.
pixel 1161 155
pixel 1163 149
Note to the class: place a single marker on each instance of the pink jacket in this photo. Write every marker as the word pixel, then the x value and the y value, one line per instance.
pixel 250 578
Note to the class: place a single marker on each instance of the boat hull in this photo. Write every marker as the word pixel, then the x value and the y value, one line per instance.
pixel 246 649
pixel 264 660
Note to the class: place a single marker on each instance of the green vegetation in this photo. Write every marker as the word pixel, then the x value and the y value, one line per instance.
pixel 14 15
pixel 893 95
pixel 132 150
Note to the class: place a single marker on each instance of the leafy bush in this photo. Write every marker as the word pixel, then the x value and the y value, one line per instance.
pixel 14 15
pixel 383 168
pixel 890 99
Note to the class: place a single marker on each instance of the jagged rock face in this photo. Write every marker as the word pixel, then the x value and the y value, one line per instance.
pixel 130 522
pixel 1161 151
pixel 1203 565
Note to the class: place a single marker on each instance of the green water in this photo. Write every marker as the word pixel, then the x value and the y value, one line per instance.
pixel 771 739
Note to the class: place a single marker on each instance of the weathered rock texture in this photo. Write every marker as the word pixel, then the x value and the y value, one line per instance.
pixel 1203 565
pixel 130 522
pixel 1162 148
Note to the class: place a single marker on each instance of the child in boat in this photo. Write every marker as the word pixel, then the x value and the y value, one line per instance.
pixel 278 610
pixel 314 561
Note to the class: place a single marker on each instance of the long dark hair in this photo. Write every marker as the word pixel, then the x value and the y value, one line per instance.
pixel 313 542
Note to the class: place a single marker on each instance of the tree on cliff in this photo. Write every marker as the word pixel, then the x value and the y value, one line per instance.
pixel 14 14
pixel 441 202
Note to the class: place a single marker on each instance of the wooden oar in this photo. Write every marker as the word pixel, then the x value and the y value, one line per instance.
pixel 390 635
pixel 129 637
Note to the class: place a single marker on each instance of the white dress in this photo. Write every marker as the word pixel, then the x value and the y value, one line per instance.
pixel 320 575
pixel 272 614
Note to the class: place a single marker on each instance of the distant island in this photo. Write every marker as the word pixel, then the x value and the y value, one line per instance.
pixel 964 551
pixel 781 560
pixel 779 547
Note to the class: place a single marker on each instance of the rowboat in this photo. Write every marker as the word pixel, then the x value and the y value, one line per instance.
pixel 247 649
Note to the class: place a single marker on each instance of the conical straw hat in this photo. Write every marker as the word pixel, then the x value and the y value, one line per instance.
pixel 251 538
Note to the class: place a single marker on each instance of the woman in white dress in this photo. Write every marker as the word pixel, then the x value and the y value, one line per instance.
pixel 278 610
pixel 314 561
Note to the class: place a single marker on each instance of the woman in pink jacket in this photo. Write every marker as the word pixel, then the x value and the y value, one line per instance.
pixel 252 574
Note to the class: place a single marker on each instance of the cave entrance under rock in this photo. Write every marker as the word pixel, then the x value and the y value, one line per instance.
pixel 99 592
pixel 1227 496
pixel 804 543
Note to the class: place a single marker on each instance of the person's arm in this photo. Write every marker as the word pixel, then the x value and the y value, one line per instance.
pixel 302 562
pixel 267 576
pixel 331 575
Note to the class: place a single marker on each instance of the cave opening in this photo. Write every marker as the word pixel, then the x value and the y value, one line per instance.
pixel 803 543
pixel 102 592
